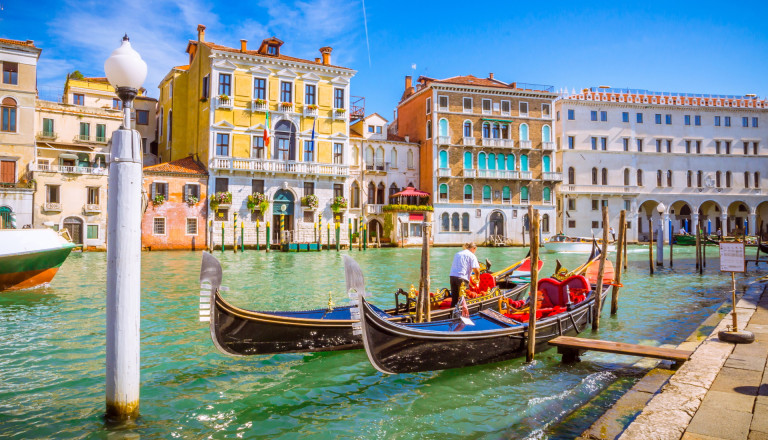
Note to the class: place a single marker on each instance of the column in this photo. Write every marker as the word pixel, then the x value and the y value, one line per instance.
pixel 724 222
pixel 753 226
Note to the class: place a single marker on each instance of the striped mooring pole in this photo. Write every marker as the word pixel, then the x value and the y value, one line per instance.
pixel 282 228
pixel 268 237
pixel 257 234
pixel 242 236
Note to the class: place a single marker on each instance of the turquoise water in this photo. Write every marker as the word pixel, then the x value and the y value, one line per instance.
pixel 52 354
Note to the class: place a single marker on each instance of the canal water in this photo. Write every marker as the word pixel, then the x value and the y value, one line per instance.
pixel 52 354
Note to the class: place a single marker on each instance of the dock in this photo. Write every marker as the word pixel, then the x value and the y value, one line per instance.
pixel 571 348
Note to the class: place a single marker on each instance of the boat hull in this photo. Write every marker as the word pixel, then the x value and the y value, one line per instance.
pixel 31 269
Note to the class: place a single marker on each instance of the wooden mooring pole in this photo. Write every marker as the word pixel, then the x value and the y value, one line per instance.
pixel 698 251
pixel 625 245
pixel 650 244
pixel 619 262
pixel 234 233
pixel 601 272
pixel 423 306
pixel 533 228
pixel 671 244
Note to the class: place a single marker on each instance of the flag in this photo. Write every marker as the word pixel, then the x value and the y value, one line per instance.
pixel 313 131
pixel 266 131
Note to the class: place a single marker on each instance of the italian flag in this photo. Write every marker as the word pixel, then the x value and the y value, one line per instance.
pixel 266 131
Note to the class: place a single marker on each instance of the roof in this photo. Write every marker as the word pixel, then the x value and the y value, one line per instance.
pixel 353 133
pixel 101 79
pixel 184 67
pixel 219 47
pixel 469 80
pixel 396 138
pixel 188 165
pixel 376 114
pixel 28 43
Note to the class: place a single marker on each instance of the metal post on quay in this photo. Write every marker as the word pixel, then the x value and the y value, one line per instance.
pixel 125 71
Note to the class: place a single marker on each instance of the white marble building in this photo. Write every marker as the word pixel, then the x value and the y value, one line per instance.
pixel 684 158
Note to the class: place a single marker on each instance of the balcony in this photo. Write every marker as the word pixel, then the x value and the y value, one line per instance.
pixel 548 146
pixel 468 141
pixel 285 107
pixel 82 138
pixel 470 173
pixel 526 175
pixel 259 105
pixel 599 189
pixel 101 139
pixel 498 174
pixel 68 169
pixel 378 165
pixel 310 112
pixel 92 208
pixel 47 135
pixel 374 208
pixel 552 176
pixel 443 172
pixel 444 140
pixel 279 167
pixel 340 113
pixel 52 206
pixel 525 145
pixel 224 102
pixel 496 142
pixel 548 202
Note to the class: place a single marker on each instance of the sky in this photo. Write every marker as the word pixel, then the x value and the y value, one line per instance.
pixel 699 47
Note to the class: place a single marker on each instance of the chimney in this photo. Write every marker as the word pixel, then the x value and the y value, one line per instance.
pixel 317 60
pixel 200 33
pixel 490 75
pixel 326 52
pixel 30 42
pixel 243 45
pixel 408 82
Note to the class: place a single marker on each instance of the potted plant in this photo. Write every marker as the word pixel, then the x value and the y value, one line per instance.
pixel 341 110
pixel 221 199
pixel 258 201
pixel 192 200
pixel 158 199
pixel 223 97
pixel 310 201
pixel 259 101
pixel 312 107
pixel 338 204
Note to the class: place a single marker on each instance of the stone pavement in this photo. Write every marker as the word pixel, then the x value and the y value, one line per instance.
pixel 721 393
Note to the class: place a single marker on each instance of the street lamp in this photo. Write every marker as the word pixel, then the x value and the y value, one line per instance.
pixel 126 72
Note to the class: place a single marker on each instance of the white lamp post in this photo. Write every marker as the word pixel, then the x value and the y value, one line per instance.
pixel 126 72
pixel 660 235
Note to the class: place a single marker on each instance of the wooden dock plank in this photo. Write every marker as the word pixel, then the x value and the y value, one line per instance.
pixel 570 342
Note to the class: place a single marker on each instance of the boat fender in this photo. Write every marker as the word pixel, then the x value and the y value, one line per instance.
pixel 737 337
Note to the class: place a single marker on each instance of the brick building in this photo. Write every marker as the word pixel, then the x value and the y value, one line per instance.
pixel 487 152
pixel 175 205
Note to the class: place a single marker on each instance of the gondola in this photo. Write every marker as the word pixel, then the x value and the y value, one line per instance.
pixel 240 332
pixel 763 248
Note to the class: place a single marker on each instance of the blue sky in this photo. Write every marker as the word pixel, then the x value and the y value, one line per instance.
pixel 702 47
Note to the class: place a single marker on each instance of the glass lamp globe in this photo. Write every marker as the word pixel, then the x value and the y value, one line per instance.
pixel 660 208
pixel 125 68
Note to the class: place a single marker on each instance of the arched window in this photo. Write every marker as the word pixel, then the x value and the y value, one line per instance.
pixel 501 161
pixel 486 130
pixel 505 131
pixel 496 132
pixel 757 179
pixel 491 161
pixel 371 193
pixel 545 223
pixel 626 176
pixel 669 178
pixel 465 222
pixel 455 222
pixel 746 179
pixel 717 179
pixel 546 164
pixel 380 159
pixel 369 158
pixel 523 132
pixel 604 175
pixel 690 179
pixel 467 160
pixel 355 155
pixel 429 129
pixel 594 176
pixel 393 189
pixel 524 162
pixel 481 164
pixel 6 218
pixel 443 192
pixel 410 159
pixel 355 195
pixel 393 158
pixel 506 195
pixel 285 140
pixel 546 194
pixel 442 127
pixel 468 193
pixel 699 178
pixel 639 177
pixel 467 129
pixel 571 176
pixel 511 162
pixel 727 179
pixel 487 194
pixel 546 134
pixel 443 159
pixel 445 222
pixel 380 192
pixel 8 111
pixel 524 194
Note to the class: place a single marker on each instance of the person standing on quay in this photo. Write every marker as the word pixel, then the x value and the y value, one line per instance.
pixel 464 263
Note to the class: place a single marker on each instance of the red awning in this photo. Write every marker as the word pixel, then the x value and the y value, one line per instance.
pixel 411 191
pixel 416 217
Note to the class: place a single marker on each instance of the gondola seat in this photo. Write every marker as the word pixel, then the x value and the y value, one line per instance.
pixel 554 291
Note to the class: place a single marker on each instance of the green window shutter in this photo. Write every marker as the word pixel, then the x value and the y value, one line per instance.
pixel 505 192
pixel 486 192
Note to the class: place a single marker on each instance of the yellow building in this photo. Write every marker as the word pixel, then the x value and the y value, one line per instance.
pixel 18 89
pixel 217 108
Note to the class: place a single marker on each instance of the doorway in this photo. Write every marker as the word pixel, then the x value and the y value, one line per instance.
pixel 74 226
pixel 283 206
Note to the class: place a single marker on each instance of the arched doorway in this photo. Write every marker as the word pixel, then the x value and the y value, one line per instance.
pixel 647 213
pixel 375 231
pixel 738 213
pixel 283 205
pixel 496 225
pixel 680 214
pixel 74 226
pixel 6 217
pixel 285 141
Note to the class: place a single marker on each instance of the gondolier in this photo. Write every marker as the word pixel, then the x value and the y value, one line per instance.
pixel 464 263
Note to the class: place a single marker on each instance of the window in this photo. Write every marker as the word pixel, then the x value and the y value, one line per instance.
pixel 727 121
pixel 10 73
pixel 718 176
pixel 78 99
pixel 523 109
pixel 754 148
pixel 595 205
pixel 754 122
pixel 429 129
pixel 545 110
pixel 688 147
pixel 571 223
pixel 727 147
pixel 546 194
pixel 639 145
pixel 659 179
pixel 524 194
pixel 594 143
pixel 338 190
pixel 92 232
pixel 697 120
pixel 545 222
pixel 486 105
pixel 410 160
pixel 506 195
pixel 625 141
pixel 158 226
pixel 746 179
pixel 222 144
pixel 191 190
pixel 338 98
pixel 571 115
pixel 657 118
pixel 658 145
pixel 142 117
pixel 744 121
pixel 428 105
pixel 225 84
pixel 604 174
pixel 717 147
pixel 309 151
pixel 626 176
pixel 594 176
pixel 159 188
pixel 455 221
pixel 486 194
pixel 571 204
pixel 117 104
pixel 669 145
pixel 260 88
pixel 338 153
pixel 699 176
pixel 746 148
pixel 717 121
pixel 604 144
pixel 757 179
pixel 443 192
pixel 85 131
pixel 639 118
pixel 93 195
pixel 8 111
pixel 191 226
pixel 698 147
pixel 442 103
pixel 593 115
pixel 689 179
pixel 445 222
pixel 468 193
pixel 467 104
pixel 558 115
pixel 52 193
pixel 205 87
pixel 625 117
pixel 465 222
pixel 257 147
pixel 486 130
pixel 571 142
pixel 506 107
pixel 727 179
pixel 687 119
pixel 571 176
pixel 286 91
pixel 603 116
pixel 467 129
pixel 669 178
pixel 668 119
pixel 639 177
